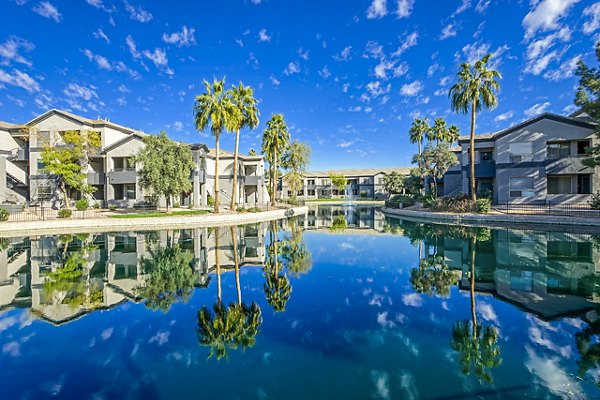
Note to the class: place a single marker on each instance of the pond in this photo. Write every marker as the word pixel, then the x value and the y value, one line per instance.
pixel 341 303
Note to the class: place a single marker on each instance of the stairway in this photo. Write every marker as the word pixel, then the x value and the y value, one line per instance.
pixel 16 182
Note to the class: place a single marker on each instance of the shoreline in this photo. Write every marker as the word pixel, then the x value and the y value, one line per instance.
pixel 13 229
pixel 526 222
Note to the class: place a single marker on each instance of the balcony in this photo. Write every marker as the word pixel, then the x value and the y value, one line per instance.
pixel 96 178
pixel 251 180
pixel 200 174
pixel 122 176
pixel 483 170
pixel 566 166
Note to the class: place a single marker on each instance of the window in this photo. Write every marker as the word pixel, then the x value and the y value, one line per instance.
pixel 558 150
pixel 380 181
pixel 44 192
pixel 324 182
pixel 486 156
pixel 40 165
pixel 521 187
pixel 354 192
pixel 310 182
pixel 581 146
pixel 300 192
pixel 559 185
pixel 584 184
pixel 520 152
pixel 130 192
pixel 289 193
pixel 311 192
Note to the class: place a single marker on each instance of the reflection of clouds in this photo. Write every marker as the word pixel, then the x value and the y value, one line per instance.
pixel 413 348
pixel 445 306
pixel 382 385
pixel 346 246
pixel 407 382
pixel 160 338
pixel 487 312
pixel 547 369
pixel 412 299
pixel 23 320
pixel 107 333
pixel 267 357
pixel 376 300
pixel 383 321
pixel 13 349
pixel 53 388
pixel 538 334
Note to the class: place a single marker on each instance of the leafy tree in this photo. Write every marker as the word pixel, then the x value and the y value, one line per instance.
pixel 393 183
pixel 275 142
pixel 339 223
pixel 435 161
pixel 418 131
pixel 252 152
pixel 440 132
pixel 413 182
pixel 170 277
pixel 295 160
pixel 453 134
pixel 166 166
pixel 243 99
pixel 475 90
pixel 68 161
pixel 478 352
pixel 339 182
pixel 588 98
pixel 216 110
pixel 433 277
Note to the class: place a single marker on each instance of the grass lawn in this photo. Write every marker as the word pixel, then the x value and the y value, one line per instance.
pixel 160 214
pixel 340 199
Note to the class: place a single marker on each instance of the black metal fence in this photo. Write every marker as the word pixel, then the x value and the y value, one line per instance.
pixel 562 209
pixel 31 214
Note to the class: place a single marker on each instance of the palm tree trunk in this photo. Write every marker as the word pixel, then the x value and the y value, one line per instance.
pixel 473 314
pixel 472 152
pixel 274 178
pixel 217 173
pixel 237 266
pixel 235 169
pixel 275 255
pixel 218 264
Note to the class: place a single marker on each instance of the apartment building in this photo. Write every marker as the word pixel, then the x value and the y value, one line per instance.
pixel 361 183
pixel 536 161
pixel 110 170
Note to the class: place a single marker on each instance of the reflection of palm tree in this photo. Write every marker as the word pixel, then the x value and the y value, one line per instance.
pixel 433 277
pixel 589 351
pixel 339 223
pixel 476 345
pixel 295 254
pixel 277 286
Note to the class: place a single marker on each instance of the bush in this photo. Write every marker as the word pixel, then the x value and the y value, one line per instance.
pixel 210 200
pixel 455 204
pixel 398 200
pixel 4 214
pixel 65 213
pixel 594 202
pixel 82 204
pixel 112 207
pixel 483 206
pixel 96 205
pixel 430 201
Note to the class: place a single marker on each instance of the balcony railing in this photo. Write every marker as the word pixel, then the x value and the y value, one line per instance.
pixel 483 170
pixel 251 180
pixel 567 166
pixel 121 176
pixel 96 178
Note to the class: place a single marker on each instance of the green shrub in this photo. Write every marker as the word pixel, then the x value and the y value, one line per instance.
pixel 4 214
pixel 456 204
pixel 82 204
pixel 594 202
pixel 483 206
pixel 176 204
pixel 403 200
pixel 112 207
pixel 210 200
pixel 430 201
pixel 96 205
pixel 65 213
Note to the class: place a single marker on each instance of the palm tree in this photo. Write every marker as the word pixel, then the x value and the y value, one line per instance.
pixel 277 285
pixel 276 139
pixel 476 89
pixel 243 99
pixel 418 130
pixel 236 264
pixel 439 130
pixel 453 134
pixel 216 109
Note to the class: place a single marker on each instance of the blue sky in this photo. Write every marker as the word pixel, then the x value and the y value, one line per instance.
pixel 348 75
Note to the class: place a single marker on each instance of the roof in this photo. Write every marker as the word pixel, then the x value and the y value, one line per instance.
pixel 577 121
pixel 10 126
pixel 96 123
pixel 358 172
pixel 126 139
pixel 212 152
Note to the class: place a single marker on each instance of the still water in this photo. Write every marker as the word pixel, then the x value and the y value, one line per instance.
pixel 341 304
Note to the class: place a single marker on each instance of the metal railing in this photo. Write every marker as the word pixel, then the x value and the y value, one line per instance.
pixel 32 214
pixel 558 209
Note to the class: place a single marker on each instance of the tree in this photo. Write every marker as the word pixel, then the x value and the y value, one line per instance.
pixel 476 89
pixel 243 99
pixel 295 160
pixel 170 278
pixel 277 285
pixel 433 276
pixel 439 130
pixel 418 130
pixel 588 98
pixel 275 141
pixel 435 161
pixel 216 110
pixel 413 182
pixel 166 166
pixel 453 134
pixel 339 182
pixel 393 183
pixel 68 161
pixel 251 152
pixel 295 255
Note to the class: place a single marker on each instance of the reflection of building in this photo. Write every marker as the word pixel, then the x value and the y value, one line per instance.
pixel 112 266
pixel 547 273
pixel 348 217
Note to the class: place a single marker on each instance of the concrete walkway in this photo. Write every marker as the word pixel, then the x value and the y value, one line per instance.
pixel 543 222
pixel 58 226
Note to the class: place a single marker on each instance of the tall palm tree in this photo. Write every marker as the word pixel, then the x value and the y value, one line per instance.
pixel 243 99
pixel 452 134
pixel 476 89
pixel 417 132
pixel 277 285
pixel 216 109
pixel 439 130
pixel 276 139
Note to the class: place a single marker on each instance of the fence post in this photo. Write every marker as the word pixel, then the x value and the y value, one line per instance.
pixel 548 208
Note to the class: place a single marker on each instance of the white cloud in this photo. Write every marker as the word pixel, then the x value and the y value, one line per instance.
pixel 263 36
pixel 325 72
pixel 537 109
pixel 377 9
pixel 448 31
pixel 100 5
pixel 433 68
pixel 178 126
pixel 158 57
pixel 381 70
pixel 545 15
pixel 255 2
pixel 444 81
pixel 408 41
pixel 138 13
pixel 412 299
pixel 132 47
pixel 345 87
pixel 82 97
pixel 348 143
pixel 376 89
pixel 373 50
pixel 274 80
pixel 303 54
pixel 19 79
pixel 411 89
pixel 46 9
pixel 292 68
pixel 344 54
pixel 482 5
pixel 99 34
pixel 44 100
pixel 474 51
pixel 537 66
pixel 103 63
pixel 404 8
pixel 566 70
pixel 464 6
pixel 9 51
pixel 593 23
pixel 504 116
pixel 537 48
pixel 180 39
